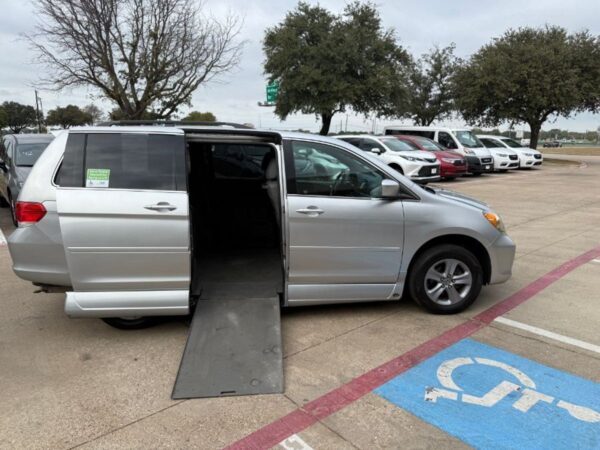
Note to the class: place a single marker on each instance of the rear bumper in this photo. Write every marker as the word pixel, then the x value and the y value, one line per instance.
pixel 476 166
pixel 502 255
pixel 38 254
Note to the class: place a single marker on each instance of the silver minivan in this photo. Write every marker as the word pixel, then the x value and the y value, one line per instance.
pixel 140 221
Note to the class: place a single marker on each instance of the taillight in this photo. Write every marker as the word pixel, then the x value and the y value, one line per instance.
pixel 28 212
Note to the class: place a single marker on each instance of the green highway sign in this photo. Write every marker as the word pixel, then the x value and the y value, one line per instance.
pixel 272 91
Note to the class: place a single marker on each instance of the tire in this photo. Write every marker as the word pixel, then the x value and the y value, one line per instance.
pixel 3 202
pixel 13 213
pixel 476 174
pixel 449 178
pixel 436 261
pixel 397 168
pixel 136 323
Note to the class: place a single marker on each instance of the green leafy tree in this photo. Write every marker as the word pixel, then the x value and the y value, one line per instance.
pixel 528 75
pixel 197 116
pixel 326 63
pixel 69 116
pixel 18 116
pixel 430 86
pixel 3 118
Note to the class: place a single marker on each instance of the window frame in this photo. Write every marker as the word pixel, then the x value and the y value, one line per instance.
pixel 290 173
pixel 184 177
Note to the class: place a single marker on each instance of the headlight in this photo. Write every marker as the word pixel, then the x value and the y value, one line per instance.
pixel 502 155
pixel 410 158
pixel 449 160
pixel 495 220
pixel 528 154
pixel 469 152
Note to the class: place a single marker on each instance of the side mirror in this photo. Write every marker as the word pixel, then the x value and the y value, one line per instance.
pixel 377 151
pixel 390 189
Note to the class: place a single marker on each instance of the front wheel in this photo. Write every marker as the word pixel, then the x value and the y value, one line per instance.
pixel 445 279
pixel 476 174
pixel 130 323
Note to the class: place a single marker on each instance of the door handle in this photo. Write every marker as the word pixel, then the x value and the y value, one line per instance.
pixel 311 211
pixel 161 206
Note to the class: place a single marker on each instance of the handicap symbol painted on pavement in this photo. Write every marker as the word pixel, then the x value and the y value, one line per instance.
pixel 490 398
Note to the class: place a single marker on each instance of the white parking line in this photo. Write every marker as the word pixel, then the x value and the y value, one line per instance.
pixel 549 334
pixel 2 239
pixel 295 442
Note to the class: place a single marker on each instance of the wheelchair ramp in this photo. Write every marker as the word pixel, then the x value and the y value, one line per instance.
pixel 233 348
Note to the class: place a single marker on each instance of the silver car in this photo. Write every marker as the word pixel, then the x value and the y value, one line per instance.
pixel 135 222
pixel 18 154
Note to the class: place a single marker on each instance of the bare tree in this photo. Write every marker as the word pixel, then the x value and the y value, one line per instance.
pixel 145 55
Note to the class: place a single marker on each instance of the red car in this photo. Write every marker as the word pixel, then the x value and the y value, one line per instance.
pixel 452 164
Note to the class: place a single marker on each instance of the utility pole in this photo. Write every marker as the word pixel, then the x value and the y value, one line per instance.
pixel 38 110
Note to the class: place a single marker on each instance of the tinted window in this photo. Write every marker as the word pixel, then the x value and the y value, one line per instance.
pixel 28 154
pixel 429 145
pixel 423 133
pixel 369 144
pixel 124 161
pixel 511 143
pixel 490 143
pixel 70 173
pixel 319 169
pixel 446 140
pixel 240 161
pixel 396 145
pixel 354 141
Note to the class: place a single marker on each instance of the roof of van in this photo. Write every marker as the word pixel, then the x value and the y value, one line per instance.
pixel 423 128
pixel 492 136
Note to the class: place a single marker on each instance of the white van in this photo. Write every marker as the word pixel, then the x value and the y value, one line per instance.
pixel 460 140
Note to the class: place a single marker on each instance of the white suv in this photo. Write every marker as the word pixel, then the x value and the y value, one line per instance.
pixel 418 165
pixel 527 157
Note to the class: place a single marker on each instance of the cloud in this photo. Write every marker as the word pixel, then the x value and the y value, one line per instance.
pixel 419 26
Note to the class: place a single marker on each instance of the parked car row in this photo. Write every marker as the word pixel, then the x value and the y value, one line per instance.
pixel 18 154
pixel 426 154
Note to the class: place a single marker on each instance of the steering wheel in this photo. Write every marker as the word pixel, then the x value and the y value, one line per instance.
pixel 344 177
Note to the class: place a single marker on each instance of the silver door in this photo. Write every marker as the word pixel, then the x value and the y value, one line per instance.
pixel 345 244
pixel 120 237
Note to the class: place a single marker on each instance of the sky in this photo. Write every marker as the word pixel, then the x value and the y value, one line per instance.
pixel 419 25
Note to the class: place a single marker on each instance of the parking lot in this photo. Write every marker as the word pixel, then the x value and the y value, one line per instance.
pixel 525 356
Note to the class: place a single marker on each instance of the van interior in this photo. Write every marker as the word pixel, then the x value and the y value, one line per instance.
pixel 235 219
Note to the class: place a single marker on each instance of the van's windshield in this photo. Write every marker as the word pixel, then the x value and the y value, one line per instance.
pixel 468 139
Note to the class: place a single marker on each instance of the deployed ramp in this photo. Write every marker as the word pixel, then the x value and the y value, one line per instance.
pixel 233 348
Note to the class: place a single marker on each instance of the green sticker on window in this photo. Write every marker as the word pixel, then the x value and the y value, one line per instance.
pixel 97 178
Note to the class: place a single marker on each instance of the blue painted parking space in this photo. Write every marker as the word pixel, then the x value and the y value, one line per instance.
pixel 490 398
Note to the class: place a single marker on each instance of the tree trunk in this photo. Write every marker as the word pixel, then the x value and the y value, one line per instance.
pixel 326 117
pixel 535 128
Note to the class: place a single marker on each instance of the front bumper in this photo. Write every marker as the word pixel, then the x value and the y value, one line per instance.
pixel 425 173
pixel 505 163
pixel 529 161
pixel 502 255
pixel 476 166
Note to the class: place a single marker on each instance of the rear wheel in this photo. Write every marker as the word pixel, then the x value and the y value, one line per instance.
pixel 3 202
pixel 13 210
pixel 131 323
pixel 445 279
